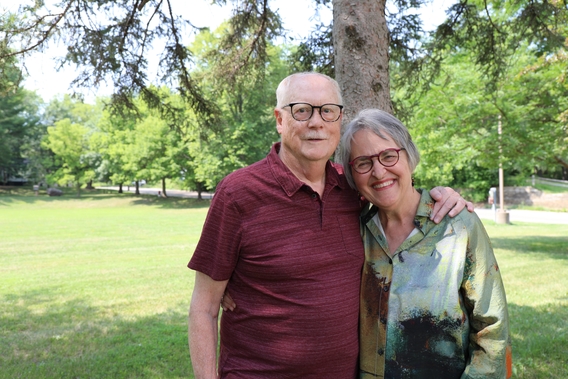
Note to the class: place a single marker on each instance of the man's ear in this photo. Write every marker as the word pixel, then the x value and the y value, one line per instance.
pixel 278 116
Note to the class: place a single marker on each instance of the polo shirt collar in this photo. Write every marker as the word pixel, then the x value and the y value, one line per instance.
pixel 289 182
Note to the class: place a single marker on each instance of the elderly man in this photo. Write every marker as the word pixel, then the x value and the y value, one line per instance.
pixel 282 236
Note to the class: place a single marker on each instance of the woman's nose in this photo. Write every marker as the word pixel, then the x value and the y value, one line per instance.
pixel 378 169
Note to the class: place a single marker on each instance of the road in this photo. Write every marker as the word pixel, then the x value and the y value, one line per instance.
pixel 515 215
pixel 521 215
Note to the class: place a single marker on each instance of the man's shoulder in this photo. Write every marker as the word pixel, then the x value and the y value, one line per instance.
pixel 250 172
pixel 247 183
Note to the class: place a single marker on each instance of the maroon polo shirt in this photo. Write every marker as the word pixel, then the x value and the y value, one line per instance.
pixel 294 262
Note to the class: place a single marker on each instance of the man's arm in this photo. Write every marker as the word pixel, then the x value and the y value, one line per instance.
pixel 203 325
pixel 448 202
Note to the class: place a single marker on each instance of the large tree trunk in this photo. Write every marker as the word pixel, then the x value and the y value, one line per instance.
pixel 361 47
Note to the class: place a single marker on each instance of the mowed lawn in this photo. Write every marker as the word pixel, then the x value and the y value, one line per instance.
pixel 97 287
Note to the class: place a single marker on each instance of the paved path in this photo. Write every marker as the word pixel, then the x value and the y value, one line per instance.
pixel 518 215
pixel 521 215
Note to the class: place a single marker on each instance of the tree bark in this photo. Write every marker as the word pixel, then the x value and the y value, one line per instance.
pixel 361 47
pixel 164 188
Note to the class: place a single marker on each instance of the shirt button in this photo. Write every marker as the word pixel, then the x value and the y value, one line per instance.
pixel 380 351
pixel 386 288
pixel 314 196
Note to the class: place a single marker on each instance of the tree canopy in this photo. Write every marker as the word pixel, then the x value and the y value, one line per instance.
pixel 210 110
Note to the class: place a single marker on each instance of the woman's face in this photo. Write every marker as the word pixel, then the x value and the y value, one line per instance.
pixel 386 187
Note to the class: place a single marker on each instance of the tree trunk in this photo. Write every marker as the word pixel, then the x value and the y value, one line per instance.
pixel 361 47
pixel 199 191
pixel 120 188
pixel 137 192
pixel 164 188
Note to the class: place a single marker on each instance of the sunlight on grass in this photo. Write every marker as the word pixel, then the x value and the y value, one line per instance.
pixel 534 261
pixel 96 286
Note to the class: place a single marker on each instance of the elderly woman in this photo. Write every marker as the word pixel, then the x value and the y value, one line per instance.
pixel 432 300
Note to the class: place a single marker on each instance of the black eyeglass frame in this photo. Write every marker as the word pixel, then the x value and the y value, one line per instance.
pixel 319 107
pixel 378 156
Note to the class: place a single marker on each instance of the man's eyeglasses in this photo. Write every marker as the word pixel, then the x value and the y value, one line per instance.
pixel 304 111
pixel 364 163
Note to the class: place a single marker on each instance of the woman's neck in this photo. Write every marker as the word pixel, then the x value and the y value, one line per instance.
pixel 399 223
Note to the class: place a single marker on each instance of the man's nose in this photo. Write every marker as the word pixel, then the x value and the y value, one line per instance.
pixel 316 120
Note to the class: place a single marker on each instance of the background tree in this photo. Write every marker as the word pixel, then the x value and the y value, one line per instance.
pixel 114 134
pixel 370 40
pixel 246 102
pixel 69 142
pixel 458 117
pixel 109 39
pixel 19 127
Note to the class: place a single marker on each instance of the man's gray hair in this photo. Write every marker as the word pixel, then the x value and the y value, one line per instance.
pixel 283 96
pixel 382 124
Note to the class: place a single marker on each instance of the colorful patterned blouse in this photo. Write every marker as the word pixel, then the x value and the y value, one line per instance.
pixel 436 308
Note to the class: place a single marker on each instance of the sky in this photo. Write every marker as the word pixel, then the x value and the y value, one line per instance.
pixel 43 77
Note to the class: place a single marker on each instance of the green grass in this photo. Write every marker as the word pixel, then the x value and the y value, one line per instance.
pixel 97 287
pixel 534 263
pixel 548 188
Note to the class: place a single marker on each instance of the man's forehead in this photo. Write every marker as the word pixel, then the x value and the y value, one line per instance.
pixel 307 88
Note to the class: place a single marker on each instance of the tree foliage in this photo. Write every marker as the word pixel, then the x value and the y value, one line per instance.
pixel 210 111
pixel 458 118
pixel 19 125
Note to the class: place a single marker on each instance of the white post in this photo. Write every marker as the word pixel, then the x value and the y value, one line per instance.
pixel 502 215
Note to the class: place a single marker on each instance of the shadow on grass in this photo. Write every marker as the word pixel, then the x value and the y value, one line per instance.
pixel 171 202
pixel 540 341
pixel 42 339
pixel 551 247
pixel 25 195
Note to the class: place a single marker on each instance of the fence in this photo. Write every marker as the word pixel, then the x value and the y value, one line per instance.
pixel 552 182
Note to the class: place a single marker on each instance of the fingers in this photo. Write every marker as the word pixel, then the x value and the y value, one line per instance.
pixel 447 202
pixel 440 209
pixel 227 302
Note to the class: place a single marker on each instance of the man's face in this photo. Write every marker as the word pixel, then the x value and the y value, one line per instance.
pixel 314 140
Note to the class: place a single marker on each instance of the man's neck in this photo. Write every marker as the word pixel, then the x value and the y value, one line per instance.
pixel 311 173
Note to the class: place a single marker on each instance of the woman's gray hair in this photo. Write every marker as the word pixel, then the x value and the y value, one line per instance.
pixel 382 124
pixel 283 95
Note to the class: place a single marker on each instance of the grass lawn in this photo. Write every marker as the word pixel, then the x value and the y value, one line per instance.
pixel 97 287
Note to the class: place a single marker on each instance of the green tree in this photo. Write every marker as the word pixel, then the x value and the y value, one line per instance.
pixel 459 118
pixel 110 39
pixel 114 134
pixel 246 106
pixel 19 126
pixel 69 142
